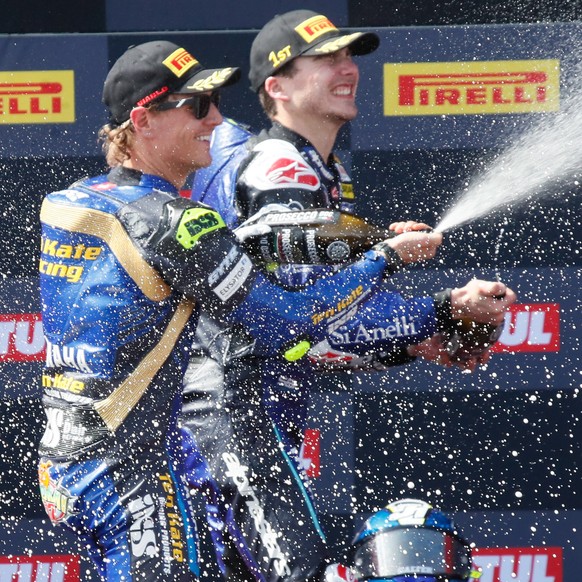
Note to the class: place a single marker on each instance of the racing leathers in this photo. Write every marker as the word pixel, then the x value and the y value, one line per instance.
pixel 279 171
pixel 125 265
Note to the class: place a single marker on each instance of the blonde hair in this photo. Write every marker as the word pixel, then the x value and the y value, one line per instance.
pixel 117 142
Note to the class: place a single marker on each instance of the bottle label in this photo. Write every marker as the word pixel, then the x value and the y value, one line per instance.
pixel 311 246
pixel 300 217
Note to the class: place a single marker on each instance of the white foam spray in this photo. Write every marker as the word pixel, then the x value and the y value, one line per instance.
pixel 539 157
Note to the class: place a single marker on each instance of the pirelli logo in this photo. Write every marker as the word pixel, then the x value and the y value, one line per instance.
pixel 37 97
pixel 314 27
pixel 180 61
pixel 465 88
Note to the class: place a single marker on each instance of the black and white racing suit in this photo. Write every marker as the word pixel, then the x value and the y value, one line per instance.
pixel 280 171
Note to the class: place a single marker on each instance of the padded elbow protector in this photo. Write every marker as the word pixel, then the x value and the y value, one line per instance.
pixel 201 257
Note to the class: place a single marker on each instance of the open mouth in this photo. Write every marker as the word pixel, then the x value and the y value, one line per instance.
pixel 344 91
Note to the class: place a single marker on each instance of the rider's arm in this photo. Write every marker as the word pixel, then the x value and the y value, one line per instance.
pixel 198 255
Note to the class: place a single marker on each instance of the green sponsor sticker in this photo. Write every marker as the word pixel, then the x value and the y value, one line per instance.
pixel 297 351
pixel 196 222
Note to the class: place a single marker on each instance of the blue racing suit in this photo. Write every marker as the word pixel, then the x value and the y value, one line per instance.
pixel 125 264
pixel 238 185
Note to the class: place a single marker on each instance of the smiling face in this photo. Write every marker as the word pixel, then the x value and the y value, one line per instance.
pixel 183 140
pixel 173 143
pixel 323 87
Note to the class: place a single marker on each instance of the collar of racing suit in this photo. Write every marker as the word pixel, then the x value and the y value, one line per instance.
pixel 123 176
pixel 278 131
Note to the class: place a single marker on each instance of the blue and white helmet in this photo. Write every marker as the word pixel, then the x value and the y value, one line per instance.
pixel 409 541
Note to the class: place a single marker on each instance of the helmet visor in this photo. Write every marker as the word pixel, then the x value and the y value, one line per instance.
pixel 411 550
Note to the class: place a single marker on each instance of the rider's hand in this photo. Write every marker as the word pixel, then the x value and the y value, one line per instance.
pixel 415 246
pixel 482 301
pixel 408 226
pixel 433 350
pixel 251 230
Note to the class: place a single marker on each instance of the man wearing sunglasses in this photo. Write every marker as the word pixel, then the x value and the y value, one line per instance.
pixel 303 68
pixel 126 264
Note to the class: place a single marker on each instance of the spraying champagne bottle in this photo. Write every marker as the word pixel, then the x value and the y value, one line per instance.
pixel 469 339
pixel 314 237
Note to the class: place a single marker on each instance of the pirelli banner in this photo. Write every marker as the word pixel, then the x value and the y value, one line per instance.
pixel 464 86
pixel 425 87
pixel 50 93
pixel 471 88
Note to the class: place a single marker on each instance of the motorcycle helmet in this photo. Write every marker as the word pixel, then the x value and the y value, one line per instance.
pixel 410 541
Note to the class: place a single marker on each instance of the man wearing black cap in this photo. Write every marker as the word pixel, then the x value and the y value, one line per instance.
pixel 306 78
pixel 125 263
pixel 116 319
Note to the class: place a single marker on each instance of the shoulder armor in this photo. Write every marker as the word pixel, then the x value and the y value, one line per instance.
pixel 278 164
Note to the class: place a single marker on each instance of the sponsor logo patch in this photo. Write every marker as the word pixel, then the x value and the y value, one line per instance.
pixel 238 473
pixel 62 382
pixel 142 532
pixel 475 87
pixel 59 423
pixel 56 256
pixel 173 546
pixel 234 279
pixel 292 172
pixel 195 223
pixel 314 27
pixel 57 500
pixel 68 357
pixel 180 61
pixel 394 328
pixel 310 453
pixel 339 307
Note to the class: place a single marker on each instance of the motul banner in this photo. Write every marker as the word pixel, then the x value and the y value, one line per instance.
pixel 528 328
pixel 64 568
pixel 21 337
pixel 531 328
pixel 519 564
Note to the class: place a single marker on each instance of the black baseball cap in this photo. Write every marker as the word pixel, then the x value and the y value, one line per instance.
pixel 297 33
pixel 148 72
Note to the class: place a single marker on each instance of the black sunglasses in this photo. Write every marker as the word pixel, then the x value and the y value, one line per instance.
pixel 198 104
